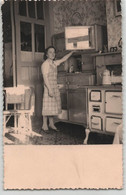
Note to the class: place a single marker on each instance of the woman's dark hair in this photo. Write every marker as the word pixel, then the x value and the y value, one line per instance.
pixel 46 51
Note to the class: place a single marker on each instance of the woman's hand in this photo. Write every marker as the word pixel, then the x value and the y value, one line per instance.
pixel 51 93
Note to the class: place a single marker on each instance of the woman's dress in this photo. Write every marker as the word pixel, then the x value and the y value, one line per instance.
pixel 51 105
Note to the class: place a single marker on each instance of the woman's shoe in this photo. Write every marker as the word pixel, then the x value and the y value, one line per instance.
pixel 53 128
pixel 45 130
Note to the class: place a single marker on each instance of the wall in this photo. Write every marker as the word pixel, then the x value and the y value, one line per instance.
pixel 91 12
pixel 113 24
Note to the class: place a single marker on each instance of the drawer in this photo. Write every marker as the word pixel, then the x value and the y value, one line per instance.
pixel 113 102
pixel 81 79
pixel 95 96
pixel 113 59
pixel 112 124
pixel 96 122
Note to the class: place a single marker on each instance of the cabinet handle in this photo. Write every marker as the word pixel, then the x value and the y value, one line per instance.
pixel 116 96
pixel 95 123
pixel 117 123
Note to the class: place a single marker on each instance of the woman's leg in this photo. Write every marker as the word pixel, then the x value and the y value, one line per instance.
pixel 51 122
pixel 45 126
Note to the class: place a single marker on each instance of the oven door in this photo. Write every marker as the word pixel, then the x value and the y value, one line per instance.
pixel 112 124
pixel 113 103
pixel 95 96
pixel 96 122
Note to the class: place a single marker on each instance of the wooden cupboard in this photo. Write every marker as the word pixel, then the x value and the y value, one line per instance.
pixel 73 90
pixel 74 107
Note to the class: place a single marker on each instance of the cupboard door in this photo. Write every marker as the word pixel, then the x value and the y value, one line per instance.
pixel 77 106
pixel 113 102
pixel 112 124
pixel 64 114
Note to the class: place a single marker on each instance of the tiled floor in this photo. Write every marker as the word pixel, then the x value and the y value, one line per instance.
pixel 69 134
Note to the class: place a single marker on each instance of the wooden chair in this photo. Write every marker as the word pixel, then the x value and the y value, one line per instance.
pixel 23 101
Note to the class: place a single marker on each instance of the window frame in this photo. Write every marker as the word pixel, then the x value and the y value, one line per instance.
pixel 27 13
pixel 33 21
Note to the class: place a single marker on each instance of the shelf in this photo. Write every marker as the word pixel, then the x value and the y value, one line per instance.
pixel 108 53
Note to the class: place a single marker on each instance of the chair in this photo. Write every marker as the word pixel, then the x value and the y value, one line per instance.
pixel 23 100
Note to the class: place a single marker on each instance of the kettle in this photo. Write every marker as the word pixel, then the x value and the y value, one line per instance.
pixel 106 78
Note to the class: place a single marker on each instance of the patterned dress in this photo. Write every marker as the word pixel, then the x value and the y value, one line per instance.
pixel 51 105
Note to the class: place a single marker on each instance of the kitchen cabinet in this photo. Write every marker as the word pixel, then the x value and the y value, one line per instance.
pixel 91 39
pixel 73 90
pixel 108 58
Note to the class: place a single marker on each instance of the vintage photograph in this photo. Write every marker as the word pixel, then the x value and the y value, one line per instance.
pixel 62 72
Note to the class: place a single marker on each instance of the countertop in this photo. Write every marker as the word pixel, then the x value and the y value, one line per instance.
pixel 116 87
pixel 105 86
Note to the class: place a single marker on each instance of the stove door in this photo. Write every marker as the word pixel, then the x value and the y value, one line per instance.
pixel 113 102
pixel 96 122
pixel 112 124
pixel 95 96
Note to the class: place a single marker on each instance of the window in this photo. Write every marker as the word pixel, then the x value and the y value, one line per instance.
pixel 32 32
pixel 39 7
pixel 39 38
pixel 26 36
pixel 22 8
pixel 32 9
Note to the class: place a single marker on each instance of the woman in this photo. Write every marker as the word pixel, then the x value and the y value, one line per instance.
pixel 51 97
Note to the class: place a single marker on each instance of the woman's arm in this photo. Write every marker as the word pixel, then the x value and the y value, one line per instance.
pixel 64 58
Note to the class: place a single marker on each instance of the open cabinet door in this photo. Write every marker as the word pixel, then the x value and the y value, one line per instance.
pixel 31 30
